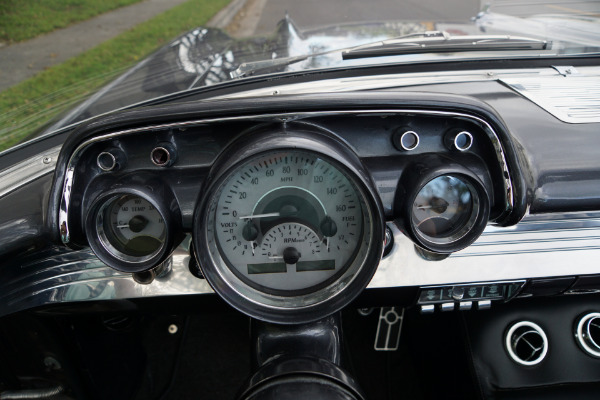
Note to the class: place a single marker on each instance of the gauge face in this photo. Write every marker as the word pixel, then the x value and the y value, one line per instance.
pixel 130 227
pixel 288 222
pixel 445 209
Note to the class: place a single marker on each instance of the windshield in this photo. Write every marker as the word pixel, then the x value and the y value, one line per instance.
pixel 59 67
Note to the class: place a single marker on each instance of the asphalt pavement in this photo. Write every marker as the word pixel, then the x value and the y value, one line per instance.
pixel 314 13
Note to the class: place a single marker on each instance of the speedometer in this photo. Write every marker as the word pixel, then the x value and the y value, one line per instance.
pixel 288 229
pixel 288 221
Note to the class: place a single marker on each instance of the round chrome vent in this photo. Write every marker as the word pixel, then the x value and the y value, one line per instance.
pixel 587 334
pixel 526 343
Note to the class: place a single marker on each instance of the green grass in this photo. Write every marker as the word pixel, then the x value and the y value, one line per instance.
pixel 25 19
pixel 26 107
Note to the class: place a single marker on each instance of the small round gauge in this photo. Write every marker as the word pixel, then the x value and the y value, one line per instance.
pixel 288 229
pixel 443 209
pixel 128 231
pixel 448 212
pixel 131 226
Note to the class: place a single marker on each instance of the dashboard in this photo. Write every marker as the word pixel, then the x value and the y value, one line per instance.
pixel 289 207
pixel 463 196
pixel 287 216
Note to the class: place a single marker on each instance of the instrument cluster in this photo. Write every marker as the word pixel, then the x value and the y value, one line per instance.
pixel 288 221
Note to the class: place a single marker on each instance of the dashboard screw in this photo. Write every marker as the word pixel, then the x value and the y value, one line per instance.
pixel 47 160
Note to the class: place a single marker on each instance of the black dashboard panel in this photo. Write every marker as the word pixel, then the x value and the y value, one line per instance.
pixel 220 122
pixel 367 124
pixel 133 189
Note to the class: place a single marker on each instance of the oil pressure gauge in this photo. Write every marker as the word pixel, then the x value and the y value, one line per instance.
pixel 129 230
pixel 288 231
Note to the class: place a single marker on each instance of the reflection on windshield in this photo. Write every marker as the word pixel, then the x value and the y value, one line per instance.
pixel 210 69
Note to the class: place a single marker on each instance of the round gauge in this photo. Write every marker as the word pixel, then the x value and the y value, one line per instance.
pixel 130 226
pixel 447 212
pixel 128 231
pixel 288 229
pixel 444 208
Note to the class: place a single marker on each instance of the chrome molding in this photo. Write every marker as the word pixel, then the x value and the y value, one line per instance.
pixel 79 276
pixel 398 80
pixel 28 170
pixel 536 247
pixel 74 159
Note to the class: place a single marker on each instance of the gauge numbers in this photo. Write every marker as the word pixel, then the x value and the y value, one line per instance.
pixel 288 220
pixel 132 226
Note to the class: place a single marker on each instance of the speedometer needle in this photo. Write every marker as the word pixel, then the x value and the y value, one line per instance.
pixel 273 214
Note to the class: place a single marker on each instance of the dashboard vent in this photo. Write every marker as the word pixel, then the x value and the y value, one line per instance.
pixel 573 99
pixel 526 343
pixel 587 333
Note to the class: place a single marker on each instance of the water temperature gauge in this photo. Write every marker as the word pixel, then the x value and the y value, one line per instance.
pixel 133 226
pixel 128 230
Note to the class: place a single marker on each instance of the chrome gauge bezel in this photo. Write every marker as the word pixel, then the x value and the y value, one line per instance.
pixel 303 306
pixel 417 177
pixel 101 244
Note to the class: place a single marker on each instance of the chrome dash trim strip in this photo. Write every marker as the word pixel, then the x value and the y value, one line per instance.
pixel 73 160
pixel 534 248
pixel 28 170
pixel 77 276
pixel 80 276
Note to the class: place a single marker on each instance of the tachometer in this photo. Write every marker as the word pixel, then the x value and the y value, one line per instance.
pixel 288 229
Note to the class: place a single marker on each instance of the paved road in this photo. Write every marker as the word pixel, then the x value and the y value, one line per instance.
pixel 530 7
pixel 314 13
pixel 23 60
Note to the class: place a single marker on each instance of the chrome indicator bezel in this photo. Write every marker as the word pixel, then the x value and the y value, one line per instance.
pixel 304 306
